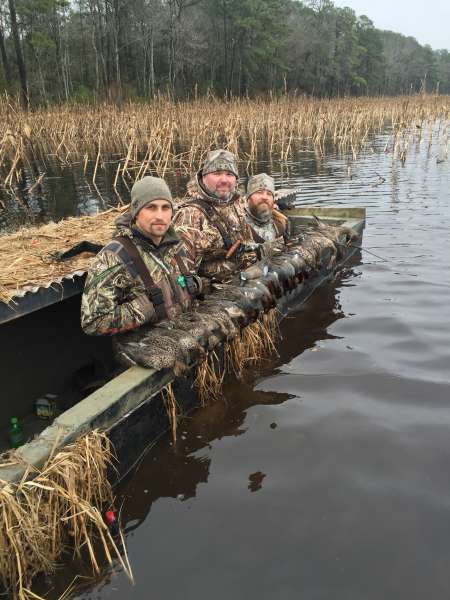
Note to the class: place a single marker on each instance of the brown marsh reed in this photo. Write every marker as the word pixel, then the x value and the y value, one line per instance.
pixel 28 256
pixel 209 379
pixel 171 406
pixel 55 509
pixel 162 135
pixel 253 344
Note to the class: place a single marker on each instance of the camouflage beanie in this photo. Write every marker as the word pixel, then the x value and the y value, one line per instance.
pixel 148 190
pixel 260 182
pixel 220 160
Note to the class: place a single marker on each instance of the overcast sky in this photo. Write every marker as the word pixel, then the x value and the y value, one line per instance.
pixel 426 20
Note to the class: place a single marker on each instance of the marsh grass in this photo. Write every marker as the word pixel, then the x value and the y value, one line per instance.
pixel 163 135
pixel 252 345
pixel 28 256
pixel 56 509
pixel 171 406
pixel 208 382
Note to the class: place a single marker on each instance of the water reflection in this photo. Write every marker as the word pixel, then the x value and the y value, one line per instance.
pixel 325 474
pixel 178 472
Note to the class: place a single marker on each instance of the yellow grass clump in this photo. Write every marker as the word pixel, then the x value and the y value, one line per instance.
pixel 249 347
pixel 164 134
pixel 253 344
pixel 59 508
pixel 209 379
pixel 27 257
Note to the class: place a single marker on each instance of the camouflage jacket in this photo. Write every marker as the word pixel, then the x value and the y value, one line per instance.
pixel 204 241
pixel 115 300
pixel 275 229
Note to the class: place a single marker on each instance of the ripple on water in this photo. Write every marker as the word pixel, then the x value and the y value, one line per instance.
pixel 329 478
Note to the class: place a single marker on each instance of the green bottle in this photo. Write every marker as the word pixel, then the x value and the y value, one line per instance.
pixel 15 433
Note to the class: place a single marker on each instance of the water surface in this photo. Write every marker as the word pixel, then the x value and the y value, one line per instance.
pixel 326 473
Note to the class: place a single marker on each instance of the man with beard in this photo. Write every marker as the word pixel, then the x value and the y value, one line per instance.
pixel 212 221
pixel 142 275
pixel 267 223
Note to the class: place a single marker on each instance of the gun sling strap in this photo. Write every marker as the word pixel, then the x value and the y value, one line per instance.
pixel 212 215
pixel 129 255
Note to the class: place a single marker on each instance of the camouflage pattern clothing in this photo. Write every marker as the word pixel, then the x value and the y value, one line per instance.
pixel 204 241
pixel 276 228
pixel 115 301
pixel 268 224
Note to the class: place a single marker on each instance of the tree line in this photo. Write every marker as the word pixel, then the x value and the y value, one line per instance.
pixel 92 50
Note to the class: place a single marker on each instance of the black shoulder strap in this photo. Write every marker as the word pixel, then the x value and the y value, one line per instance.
pixel 256 238
pixel 129 255
pixel 191 287
pixel 213 216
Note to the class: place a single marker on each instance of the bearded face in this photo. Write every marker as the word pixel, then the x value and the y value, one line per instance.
pixel 260 204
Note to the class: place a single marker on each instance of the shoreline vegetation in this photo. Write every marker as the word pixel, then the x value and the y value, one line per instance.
pixel 155 137
pixel 89 51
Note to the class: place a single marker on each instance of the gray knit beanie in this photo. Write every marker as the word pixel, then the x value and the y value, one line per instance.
pixel 220 160
pixel 260 182
pixel 147 190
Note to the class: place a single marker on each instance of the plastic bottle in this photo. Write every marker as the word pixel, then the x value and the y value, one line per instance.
pixel 15 433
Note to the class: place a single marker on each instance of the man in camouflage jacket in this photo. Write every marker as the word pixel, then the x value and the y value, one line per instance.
pixel 267 223
pixel 212 222
pixel 143 274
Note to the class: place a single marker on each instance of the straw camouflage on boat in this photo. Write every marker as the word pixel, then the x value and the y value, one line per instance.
pixel 48 507
pixel 28 257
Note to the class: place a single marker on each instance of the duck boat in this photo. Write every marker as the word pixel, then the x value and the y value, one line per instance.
pixel 130 404
pixel 54 487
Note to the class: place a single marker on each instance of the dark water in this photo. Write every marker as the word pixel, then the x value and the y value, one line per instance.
pixel 66 192
pixel 325 474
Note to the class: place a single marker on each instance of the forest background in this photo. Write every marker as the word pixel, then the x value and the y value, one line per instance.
pixel 93 50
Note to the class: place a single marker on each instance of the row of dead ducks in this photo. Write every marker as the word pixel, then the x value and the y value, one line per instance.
pixel 222 316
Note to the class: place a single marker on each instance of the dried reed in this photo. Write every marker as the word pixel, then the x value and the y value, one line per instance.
pixel 249 347
pixel 60 506
pixel 27 257
pixel 209 379
pixel 171 407
pixel 164 134
pixel 258 340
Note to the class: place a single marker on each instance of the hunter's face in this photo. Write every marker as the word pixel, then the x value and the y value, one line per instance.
pixel 220 183
pixel 154 219
pixel 261 203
